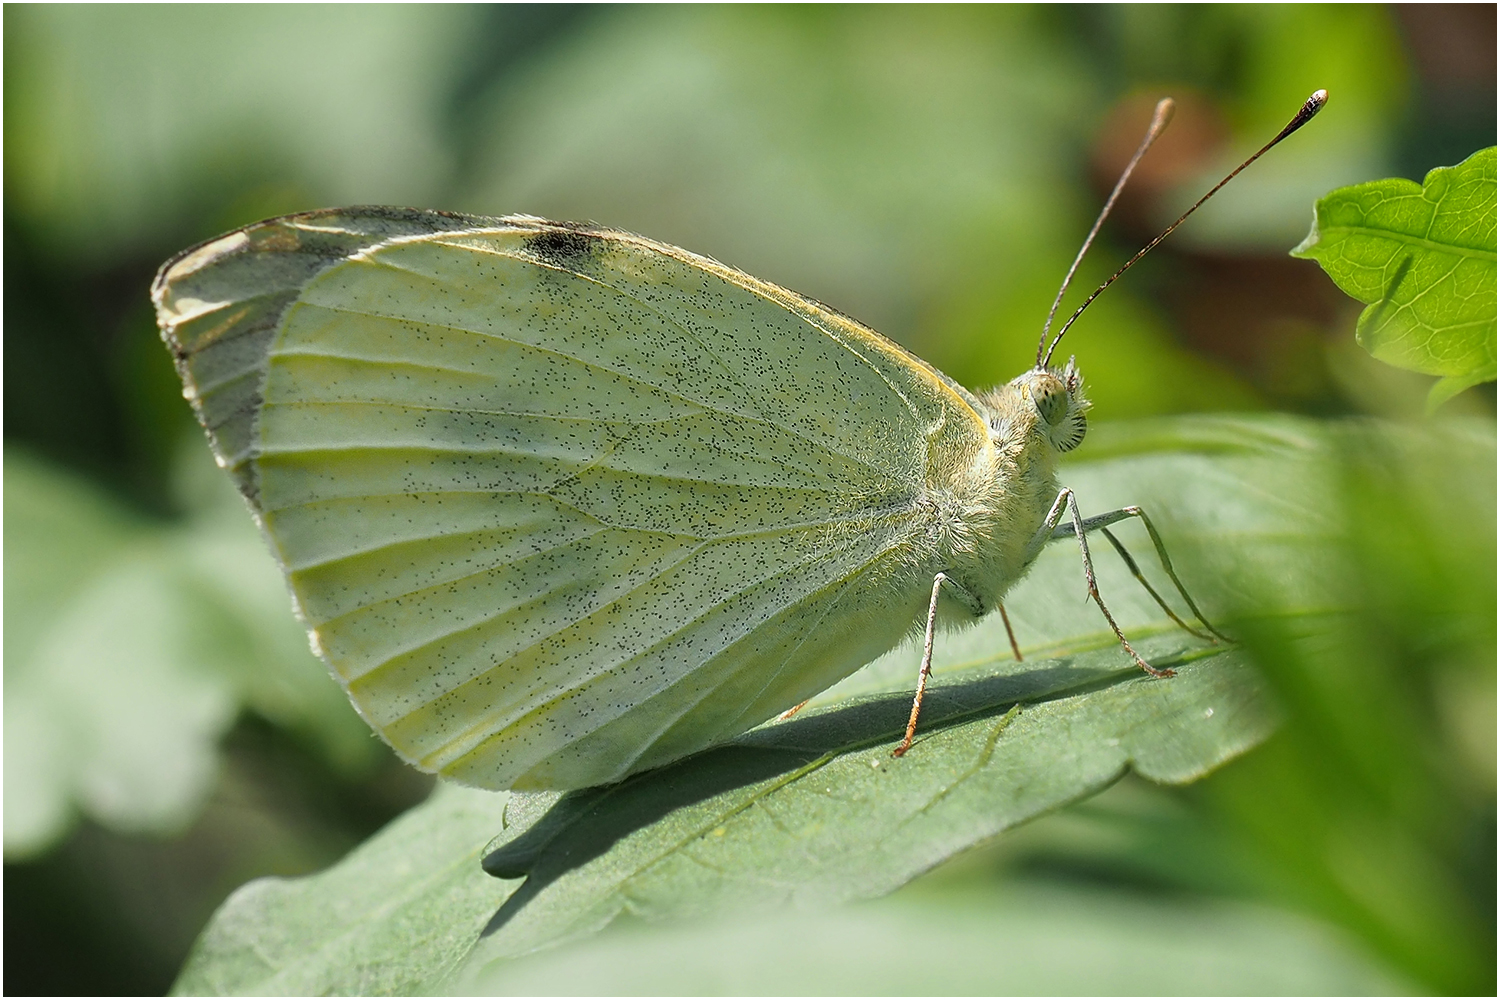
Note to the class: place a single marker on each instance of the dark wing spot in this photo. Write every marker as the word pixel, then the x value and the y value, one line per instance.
pixel 563 247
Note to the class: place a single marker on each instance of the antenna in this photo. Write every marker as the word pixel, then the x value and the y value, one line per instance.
pixel 1159 120
pixel 1310 107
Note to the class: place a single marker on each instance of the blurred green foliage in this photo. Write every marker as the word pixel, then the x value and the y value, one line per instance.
pixel 929 171
pixel 131 648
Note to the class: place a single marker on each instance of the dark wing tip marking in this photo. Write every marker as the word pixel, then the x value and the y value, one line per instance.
pixel 564 248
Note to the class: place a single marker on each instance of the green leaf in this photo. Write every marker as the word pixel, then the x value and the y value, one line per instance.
pixel 394 916
pixel 1451 385
pixel 814 811
pixel 1423 259
pixel 1386 756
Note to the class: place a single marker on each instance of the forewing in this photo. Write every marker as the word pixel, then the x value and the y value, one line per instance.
pixel 557 503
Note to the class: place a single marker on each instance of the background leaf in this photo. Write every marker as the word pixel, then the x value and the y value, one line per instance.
pixel 1370 804
pixel 133 645
pixel 105 707
pixel 1423 258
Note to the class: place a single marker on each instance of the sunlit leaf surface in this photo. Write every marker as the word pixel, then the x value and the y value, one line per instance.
pixel 1423 258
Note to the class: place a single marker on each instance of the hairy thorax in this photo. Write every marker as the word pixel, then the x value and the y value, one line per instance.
pixel 985 514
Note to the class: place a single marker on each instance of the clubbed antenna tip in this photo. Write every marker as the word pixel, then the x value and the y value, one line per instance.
pixel 1310 107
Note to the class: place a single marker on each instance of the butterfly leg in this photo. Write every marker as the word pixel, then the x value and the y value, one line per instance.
pixel 793 710
pixel 932 608
pixel 1100 523
pixel 1010 633
pixel 1050 529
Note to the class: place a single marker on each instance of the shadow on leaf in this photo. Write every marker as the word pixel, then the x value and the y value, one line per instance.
pixel 585 824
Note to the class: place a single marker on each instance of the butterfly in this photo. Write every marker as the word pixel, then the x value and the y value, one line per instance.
pixel 558 503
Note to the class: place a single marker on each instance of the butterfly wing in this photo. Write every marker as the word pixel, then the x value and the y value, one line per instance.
pixel 556 503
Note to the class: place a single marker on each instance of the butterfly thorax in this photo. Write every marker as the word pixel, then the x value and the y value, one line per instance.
pixel 998 505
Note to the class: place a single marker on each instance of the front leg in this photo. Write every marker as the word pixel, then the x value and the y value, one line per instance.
pixel 1066 502
pixel 1101 522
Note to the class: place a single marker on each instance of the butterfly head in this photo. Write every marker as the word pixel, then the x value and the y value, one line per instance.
pixel 1061 408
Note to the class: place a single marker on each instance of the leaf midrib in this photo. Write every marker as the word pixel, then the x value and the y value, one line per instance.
pixel 1415 241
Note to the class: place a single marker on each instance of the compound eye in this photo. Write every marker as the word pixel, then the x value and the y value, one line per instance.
pixel 1070 436
pixel 1051 405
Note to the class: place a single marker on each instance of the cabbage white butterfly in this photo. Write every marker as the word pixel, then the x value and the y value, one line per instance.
pixel 559 504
